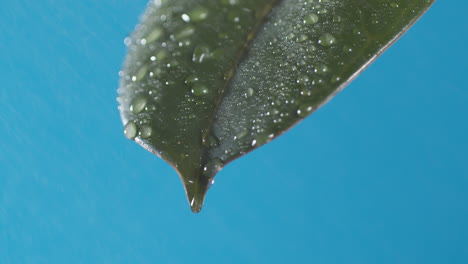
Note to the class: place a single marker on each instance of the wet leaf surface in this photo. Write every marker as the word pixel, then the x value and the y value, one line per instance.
pixel 207 81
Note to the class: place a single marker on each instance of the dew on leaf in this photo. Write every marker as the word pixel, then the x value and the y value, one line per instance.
pixel 206 82
pixel 311 19
pixel 321 69
pixel 130 130
pixel 154 35
pixel 146 131
pixel 198 14
pixel 138 105
pixel 212 167
pixel 327 40
pixel 199 90
pixel 304 110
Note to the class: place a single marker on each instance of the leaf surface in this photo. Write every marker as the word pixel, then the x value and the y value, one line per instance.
pixel 207 81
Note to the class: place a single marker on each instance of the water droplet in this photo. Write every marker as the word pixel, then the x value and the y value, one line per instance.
pixel 241 134
pixel 322 11
pixel 302 38
pixel 200 53
pixel 357 31
pixel 141 73
pixel 211 182
pixel 185 17
pixel 335 79
pixel 150 108
pixel 347 49
pixel 305 92
pixel 212 167
pixel 199 90
pixel 127 41
pixel 154 35
pixel 250 92
pixel 261 140
pixel 191 79
pixel 321 69
pixel 146 131
pixel 304 110
pixel 234 15
pixel 198 14
pixel 185 32
pixel 138 105
pixel 210 141
pixel 161 55
pixel 327 40
pixel 254 143
pixel 130 130
pixel 311 19
pixel 230 2
pixel 303 79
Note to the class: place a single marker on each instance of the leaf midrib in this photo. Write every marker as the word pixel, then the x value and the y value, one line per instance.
pixel 232 70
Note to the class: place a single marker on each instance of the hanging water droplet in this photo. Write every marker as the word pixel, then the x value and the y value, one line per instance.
pixel 130 130
pixel 327 40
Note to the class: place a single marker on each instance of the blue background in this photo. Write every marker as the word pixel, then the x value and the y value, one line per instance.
pixel 378 175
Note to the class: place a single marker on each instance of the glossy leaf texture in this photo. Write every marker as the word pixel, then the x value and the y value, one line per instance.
pixel 207 81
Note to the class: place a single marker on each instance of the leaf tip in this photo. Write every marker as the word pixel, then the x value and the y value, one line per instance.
pixel 196 195
pixel 196 188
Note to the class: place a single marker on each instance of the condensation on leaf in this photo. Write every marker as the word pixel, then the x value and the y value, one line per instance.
pixel 207 81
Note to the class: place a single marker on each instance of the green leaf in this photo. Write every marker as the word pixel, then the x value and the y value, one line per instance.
pixel 207 81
